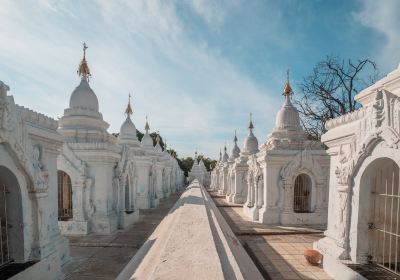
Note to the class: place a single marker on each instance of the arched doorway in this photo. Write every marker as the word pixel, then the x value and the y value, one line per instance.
pixel 381 180
pixel 302 194
pixel 64 196
pixel 11 232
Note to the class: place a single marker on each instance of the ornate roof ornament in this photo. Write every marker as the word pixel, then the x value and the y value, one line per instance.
pixel 287 91
pixel 251 126
pixel 83 70
pixel 128 110
pixel 235 138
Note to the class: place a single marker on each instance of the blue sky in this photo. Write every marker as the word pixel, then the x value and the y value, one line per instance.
pixel 197 68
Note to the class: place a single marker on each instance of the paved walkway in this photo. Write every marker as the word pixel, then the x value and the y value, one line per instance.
pixel 101 257
pixel 277 251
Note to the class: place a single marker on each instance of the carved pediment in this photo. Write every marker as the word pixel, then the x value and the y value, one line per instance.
pixel 254 170
pixel 14 133
pixel 380 123
pixel 302 162
pixel 72 159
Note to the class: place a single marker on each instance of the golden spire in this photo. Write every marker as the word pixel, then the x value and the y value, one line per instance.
pixel 83 70
pixel 251 126
pixel 287 91
pixel 128 110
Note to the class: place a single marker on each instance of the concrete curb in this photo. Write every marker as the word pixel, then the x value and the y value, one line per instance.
pixel 192 242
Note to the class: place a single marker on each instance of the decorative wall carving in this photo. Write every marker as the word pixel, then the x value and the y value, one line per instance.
pixel 13 132
pixel 302 161
pixel 379 122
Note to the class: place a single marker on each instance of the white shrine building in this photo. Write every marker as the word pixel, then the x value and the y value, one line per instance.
pixel 364 193
pixel 223 169
pixel 199 172
pixel 214 176
pixel 30 236
pixel 288 178
pixel 104 180
pixel 239 167
pixel 86 166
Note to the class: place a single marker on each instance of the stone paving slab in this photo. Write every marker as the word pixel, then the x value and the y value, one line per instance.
pixel 221 202
pixel 282 255
pixel 277 249
pixel 102 257
pixel 242 225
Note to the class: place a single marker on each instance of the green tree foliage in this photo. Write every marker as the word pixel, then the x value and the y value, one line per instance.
pixel 186 164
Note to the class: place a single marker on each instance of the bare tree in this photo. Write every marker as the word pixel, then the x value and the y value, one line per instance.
pixel 329 91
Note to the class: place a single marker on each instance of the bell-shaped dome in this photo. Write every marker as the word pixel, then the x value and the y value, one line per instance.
pixel 128 130
pixel 83 97
pixel 235 150
pixel 147 141
pixel 250 143
pixel 225 157
pixel 288 117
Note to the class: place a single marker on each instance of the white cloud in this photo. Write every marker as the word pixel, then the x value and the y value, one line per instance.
pixel 212 11
pixel 383 16
pixel 193 95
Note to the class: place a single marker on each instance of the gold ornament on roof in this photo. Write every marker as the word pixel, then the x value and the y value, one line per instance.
pixel 158 137
pixel 251 126
pixel 83 70
pixel 128 110
pixel 287 91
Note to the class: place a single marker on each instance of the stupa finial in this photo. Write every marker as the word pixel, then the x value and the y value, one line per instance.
pixel 287 91
pixel 251 126
pixel 83 70
pixel 128 110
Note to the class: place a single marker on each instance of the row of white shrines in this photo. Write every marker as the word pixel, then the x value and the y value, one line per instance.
pixel 351 188
pixel 72 177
